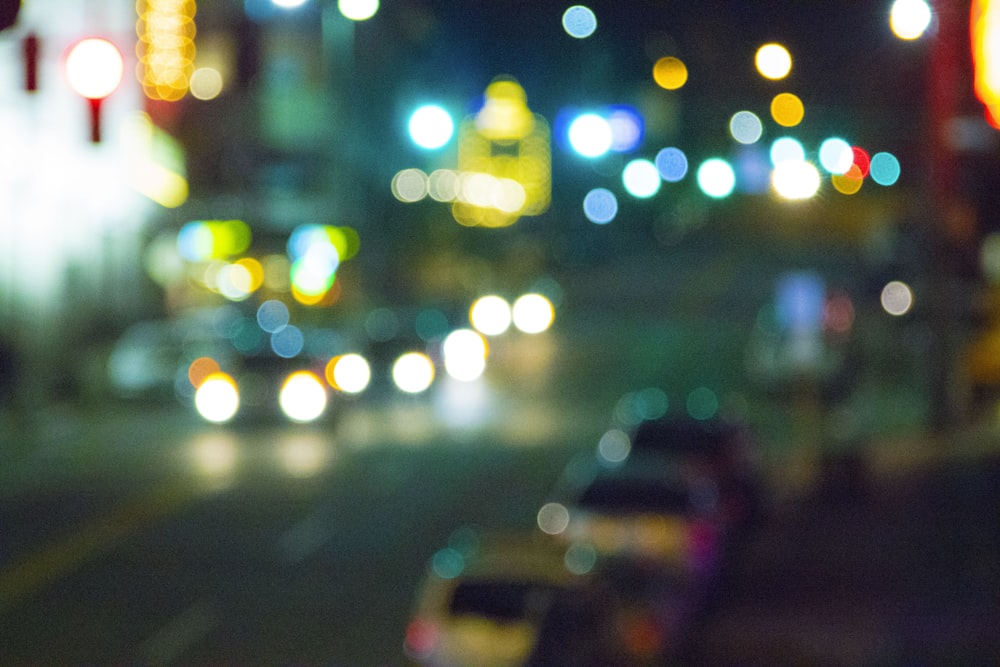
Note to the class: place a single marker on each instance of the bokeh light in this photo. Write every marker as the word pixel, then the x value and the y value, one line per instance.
pixel 795 179
pixel 850 182
pixel 431 126
pixel 273 315
pixel 600 206
pixel 553 518
pixel 909 19
pixel 165 47
pixel 200 369
pixel 206 83
pixel 579 21
pixel 862 160
pixel 490 315
pixel 464 352
pixel 580 558
pixel 884 168
pixel 590 135
pixel 302 397
pixel 670 73
pixel 358 10
pixel 413 372
pixel 614 446
pixel 746 127
pixel 203 240
pixel 627 128
pixel 897 298
pixel 217 399
pixel 287 342
pixel 447 563
pixel 349 373
pixel 787 109
pixel 532 313
pixel 672 164
pixel 787 149
pixel 716 178
pixel 836 155
pixel 409 185
pixel 641 178
pixel 773 61
pixel 702 403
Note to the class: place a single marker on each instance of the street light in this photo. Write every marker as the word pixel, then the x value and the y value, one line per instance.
pixel 94 69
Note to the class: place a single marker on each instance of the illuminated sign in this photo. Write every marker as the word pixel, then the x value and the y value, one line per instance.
pixel 504 160
pixel 165 47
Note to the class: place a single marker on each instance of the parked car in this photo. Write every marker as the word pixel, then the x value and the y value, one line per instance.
pixel 720 450
pixel 646 508
pixel 487 609
pixel 649 610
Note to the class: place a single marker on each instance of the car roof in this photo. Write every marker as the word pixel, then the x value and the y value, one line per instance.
pixel 684 435
pixel 635 494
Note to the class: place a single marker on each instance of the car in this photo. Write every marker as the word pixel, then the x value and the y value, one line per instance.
pixel 629 613
pixel 486 606
pixel 717 449
pixel 645 508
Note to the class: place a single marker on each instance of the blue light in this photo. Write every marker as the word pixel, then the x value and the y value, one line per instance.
pixel 431 127
pixel 287 342
pixel 884 169
pixel 579 21
pixel 672 164
pixel 600 206
pixel 272 316
pixel 627 128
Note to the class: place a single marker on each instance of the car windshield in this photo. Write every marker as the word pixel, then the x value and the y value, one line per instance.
pixel 681 437
pixel 634 495
pixel 501 600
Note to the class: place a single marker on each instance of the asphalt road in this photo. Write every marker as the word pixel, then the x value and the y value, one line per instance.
pixel 304 546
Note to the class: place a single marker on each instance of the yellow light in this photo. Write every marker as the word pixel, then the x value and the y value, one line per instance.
pixel 206 83
pixel 773 61
pixel 217 398
pixel 848 183
pixel 413 372
pixel 532 313
pixel 165 47
pixel 504 162
pixel 156 162
pixel 787 110
pixel 349 373
pixel 670 73
pixel 94 68
pixel 491 315
pixel 302 397
pixel 985 33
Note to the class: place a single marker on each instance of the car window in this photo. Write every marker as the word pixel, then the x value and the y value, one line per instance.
pixel 499 599
pixel 634 495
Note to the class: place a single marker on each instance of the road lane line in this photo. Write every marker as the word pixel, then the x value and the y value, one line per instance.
pixel 50 563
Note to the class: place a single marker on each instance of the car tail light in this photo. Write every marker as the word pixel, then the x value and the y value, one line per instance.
pixel 421 638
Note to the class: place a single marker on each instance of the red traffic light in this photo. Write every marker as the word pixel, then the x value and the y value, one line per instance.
pixel 94 69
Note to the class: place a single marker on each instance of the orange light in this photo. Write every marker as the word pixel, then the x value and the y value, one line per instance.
pixel 984 28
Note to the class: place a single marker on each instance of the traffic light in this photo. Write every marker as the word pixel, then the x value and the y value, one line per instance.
pixel 94 69
pixel 8 13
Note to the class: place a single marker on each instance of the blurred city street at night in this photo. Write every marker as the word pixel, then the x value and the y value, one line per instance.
pixel 302 299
